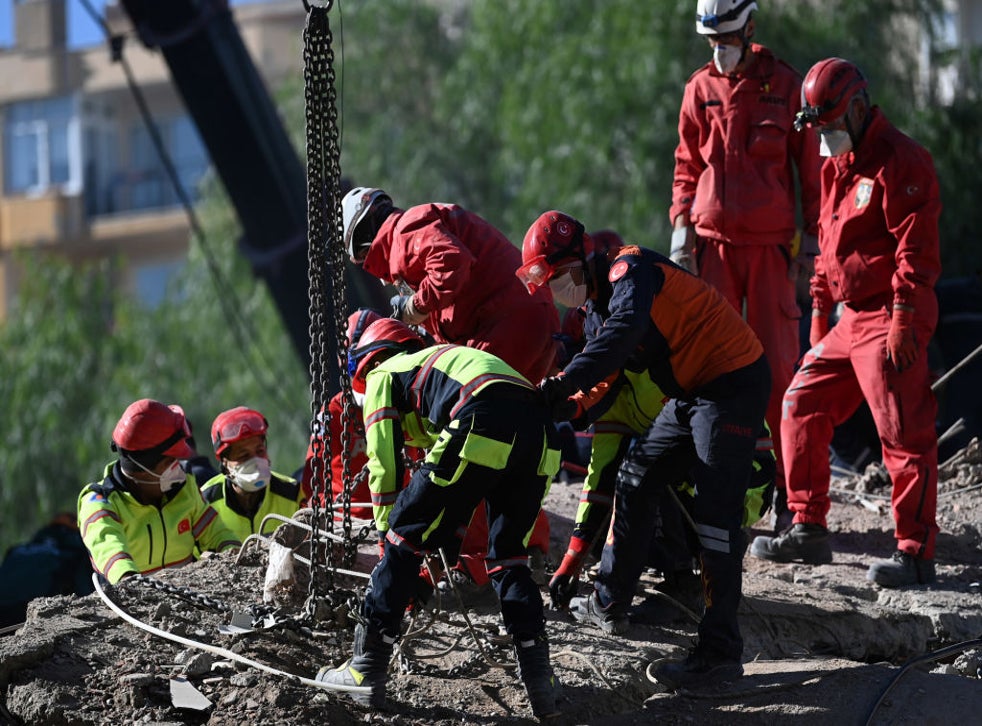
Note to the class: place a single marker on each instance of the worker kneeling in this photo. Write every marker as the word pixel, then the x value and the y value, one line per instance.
pixel 487 436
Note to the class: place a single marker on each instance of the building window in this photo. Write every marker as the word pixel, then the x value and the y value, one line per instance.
pixel 145 184
pixel 41 146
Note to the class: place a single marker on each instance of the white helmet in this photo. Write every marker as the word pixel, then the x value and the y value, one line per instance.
pixel 354 208
pixel 716 17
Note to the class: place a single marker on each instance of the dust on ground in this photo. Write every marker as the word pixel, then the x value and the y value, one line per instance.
pixel 822 645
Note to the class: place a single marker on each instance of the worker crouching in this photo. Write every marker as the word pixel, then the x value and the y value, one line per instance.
pixel 487 437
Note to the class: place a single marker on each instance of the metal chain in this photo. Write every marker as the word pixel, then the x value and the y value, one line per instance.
pixel 196 598
pixel 326 254
pixel 314 79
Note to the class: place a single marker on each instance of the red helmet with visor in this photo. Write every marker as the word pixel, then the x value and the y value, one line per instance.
pixel 828 88
pixel 553 237
pixel 234 425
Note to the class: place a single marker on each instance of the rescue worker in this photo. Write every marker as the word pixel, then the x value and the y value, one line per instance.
pixel 488 437
pixel 455 276
pixel 635 406
pixel 880 257
pixel 680 331
pixel 358 321
pixel 733 196
pixel 146 513
pixel 247 489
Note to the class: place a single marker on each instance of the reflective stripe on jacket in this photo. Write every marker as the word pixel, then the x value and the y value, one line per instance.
pixel 282 496
pixel 668 321
pixel 412 397
pixel 123 535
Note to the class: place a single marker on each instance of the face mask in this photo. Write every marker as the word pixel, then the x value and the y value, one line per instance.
pixel 172 475
pixel 359 399
pixel 251 475
pixel 834 142
pixel 727 58
pixel 567 292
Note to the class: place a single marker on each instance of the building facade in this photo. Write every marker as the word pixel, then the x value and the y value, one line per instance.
pixel 81 176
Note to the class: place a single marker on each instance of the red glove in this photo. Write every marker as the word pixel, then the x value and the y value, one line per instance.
pixel 820 327
pixel 901 341
pixel 381 545
pixel 562 586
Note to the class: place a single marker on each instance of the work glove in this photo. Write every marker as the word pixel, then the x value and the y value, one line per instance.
pixel 683 251
pixel 901 341
pixel 405 310
pixel 563 585
pixel 820 327
pixel 381 545
pixel 556 392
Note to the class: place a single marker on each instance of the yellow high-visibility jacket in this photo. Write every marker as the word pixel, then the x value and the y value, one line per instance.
pixel 123 535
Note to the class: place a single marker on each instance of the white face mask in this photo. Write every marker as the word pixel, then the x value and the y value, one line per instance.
pixel 567 292
pixel 359 399
pixel 250 475
pixel 727 58
pixel 834 142
pixel 171 476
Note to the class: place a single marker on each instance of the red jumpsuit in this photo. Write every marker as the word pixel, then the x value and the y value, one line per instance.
pixel 473 549
pixel 734 181
pixel 462 273
pixel 879 248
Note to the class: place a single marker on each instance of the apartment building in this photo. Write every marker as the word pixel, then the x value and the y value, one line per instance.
pixel 80 174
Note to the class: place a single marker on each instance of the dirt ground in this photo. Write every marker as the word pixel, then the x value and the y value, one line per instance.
pixel 822 644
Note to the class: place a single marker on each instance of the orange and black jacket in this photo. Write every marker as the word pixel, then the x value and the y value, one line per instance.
pixel 667 321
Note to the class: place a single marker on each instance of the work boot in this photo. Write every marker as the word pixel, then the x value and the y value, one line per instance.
pixel 901 570
pixel 808 543
pixel 471 594
pixel 537 675
pixel 611 619
pixel 682 588
pixel 698 669
pixel 367 667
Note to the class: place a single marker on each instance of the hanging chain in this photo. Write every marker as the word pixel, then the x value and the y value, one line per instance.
pixel 327 289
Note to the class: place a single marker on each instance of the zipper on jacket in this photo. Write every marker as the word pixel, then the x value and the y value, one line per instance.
pixel 163 528
pixel 150 540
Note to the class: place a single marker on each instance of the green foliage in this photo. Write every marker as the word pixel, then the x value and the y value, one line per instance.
pixel 508 107
pixel 76 353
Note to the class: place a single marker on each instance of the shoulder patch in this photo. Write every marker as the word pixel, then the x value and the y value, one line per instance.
pixel 617 270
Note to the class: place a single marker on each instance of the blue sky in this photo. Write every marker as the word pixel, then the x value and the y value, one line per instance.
pixel 82 30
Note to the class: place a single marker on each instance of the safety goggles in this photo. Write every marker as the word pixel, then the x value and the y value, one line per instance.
pixel 244 426
pixel 535 273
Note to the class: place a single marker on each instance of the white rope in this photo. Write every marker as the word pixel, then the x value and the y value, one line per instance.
pixel 221 652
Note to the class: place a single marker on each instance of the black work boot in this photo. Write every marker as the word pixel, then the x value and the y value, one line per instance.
pixel 368 667
pixel 808 543
pixel 698 669
pixel 680 594
pixel 537 675
pixel 901 570
pixel 611 619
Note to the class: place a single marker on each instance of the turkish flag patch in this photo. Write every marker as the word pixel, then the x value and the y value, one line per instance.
pixel 183 526
pixel 617 270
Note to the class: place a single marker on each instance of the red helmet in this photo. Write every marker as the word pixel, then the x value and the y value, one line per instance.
pixel 553 237
pixel 234 425
pixel 829 86
pixel 606 241
pixel 149 427
pixel 358 321
pixel 383 334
